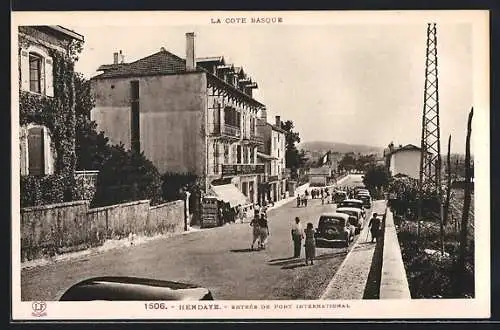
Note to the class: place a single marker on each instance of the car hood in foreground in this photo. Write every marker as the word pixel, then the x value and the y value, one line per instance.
pixel 133 288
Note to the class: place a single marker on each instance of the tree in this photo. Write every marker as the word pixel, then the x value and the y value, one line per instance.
pixel 466 207
pixel 448 184
pixel 348 162
pixel 293 159
pixel 127 176
pixel 92 148
pixel 376 177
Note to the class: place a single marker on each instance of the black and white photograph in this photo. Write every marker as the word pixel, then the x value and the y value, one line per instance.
pixel 241 165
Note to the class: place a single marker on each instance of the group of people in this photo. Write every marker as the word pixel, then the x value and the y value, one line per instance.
pixel 228 214
pixel 299 234
pixel 260 228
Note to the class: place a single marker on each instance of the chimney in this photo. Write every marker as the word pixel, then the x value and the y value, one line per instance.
pixel 115 58
pixel 278 121
pixel 263 114
pixel 190 63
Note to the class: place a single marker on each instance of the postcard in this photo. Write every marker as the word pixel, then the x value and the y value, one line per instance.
pixel 250 165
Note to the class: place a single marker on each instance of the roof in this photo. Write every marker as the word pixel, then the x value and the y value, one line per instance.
pixel 353 209
pixel 162 62
pixel 352 200
pixel 335 214
pixel 210 59
pixel 408 147
pixel 70 33
pixel 276 128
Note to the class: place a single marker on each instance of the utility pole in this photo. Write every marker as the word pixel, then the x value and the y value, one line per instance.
pixel 430 181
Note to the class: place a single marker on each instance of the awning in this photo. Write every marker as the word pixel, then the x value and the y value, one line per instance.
pixel 230 194
pixel 265 156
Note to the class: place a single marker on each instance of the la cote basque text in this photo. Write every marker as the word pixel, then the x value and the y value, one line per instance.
pixel 246 20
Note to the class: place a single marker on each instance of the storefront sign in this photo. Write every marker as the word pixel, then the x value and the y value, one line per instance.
pixel 209 212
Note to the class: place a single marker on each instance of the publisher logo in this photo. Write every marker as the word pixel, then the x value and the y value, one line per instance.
pixel 39 308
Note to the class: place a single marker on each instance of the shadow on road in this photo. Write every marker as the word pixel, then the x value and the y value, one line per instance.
pixel 291 263
pixel 244 250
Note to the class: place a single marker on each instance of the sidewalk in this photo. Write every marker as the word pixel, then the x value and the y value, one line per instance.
pixel 357 275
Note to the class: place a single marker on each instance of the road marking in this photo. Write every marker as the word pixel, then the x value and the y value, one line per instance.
pixel 332 281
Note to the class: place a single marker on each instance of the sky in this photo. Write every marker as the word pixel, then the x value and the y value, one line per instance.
pixel 359 84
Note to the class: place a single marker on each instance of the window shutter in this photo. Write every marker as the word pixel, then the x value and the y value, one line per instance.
pixel 47 153
pixel 24 62
pixel 35 151
pixel 49 77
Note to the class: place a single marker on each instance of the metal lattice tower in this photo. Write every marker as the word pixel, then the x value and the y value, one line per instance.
pixel 430 159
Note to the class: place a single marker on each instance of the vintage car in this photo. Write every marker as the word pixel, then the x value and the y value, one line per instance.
pixel 355 217
pixel 334 228
pixel 123 288
pixel 366 198
pixel 339 196
pixel 351 202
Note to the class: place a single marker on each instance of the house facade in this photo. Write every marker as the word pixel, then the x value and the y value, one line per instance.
pixel 273 184
pixel 38 46
pixel 404 160
pixel 193 115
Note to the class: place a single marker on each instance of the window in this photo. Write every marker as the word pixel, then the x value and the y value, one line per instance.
pixel 135 117
pixel 36 161
pixel 35 63
pixel 36 157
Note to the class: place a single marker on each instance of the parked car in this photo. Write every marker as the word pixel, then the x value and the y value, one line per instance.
pixel 355 217
pixel 133 288
pixel 334 228
pixel 366 198
pixel 339 196
pixel 356 203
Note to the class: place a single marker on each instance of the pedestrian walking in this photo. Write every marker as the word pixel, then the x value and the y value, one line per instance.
pixel 374 226
pixel 305 200
pixel 264 231
pixel 310 244
pixel 255 230
pixel 299 201
pixel 297 236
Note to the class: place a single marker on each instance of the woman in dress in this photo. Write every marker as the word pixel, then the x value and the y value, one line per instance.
pixel 264 231
pixel 310 245
pixel 255 230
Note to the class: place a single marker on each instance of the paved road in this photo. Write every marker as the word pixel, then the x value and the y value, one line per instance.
pixel 218 258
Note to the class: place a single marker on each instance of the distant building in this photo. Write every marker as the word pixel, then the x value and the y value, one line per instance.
pixel 403 160
pixel 320 176
pixel 193 115
pixel 272 185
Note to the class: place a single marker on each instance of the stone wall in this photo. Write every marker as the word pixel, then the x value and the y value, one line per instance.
pixel 65 227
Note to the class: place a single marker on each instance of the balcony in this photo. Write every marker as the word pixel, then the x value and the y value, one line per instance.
pixel 273 178
pixel 225 130
pixel 242 169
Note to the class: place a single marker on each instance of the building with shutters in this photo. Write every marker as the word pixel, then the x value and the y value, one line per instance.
pixel 192 115
pixel 38 153
pixel 273 184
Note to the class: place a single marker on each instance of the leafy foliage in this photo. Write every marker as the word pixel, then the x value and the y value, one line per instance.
pixel 376 177
pixel 91 147
pixel 293 158
pixel 58 115
pixel 127 176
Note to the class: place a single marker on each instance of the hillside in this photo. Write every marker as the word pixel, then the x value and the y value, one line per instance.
pixel 324 146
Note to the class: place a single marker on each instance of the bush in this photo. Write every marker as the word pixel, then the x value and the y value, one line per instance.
pixel 42 190
pixel 127 176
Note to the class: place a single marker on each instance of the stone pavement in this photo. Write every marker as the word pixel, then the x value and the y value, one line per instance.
pixel 351 279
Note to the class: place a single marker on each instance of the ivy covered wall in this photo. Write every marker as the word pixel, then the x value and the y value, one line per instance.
pixel 58 115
